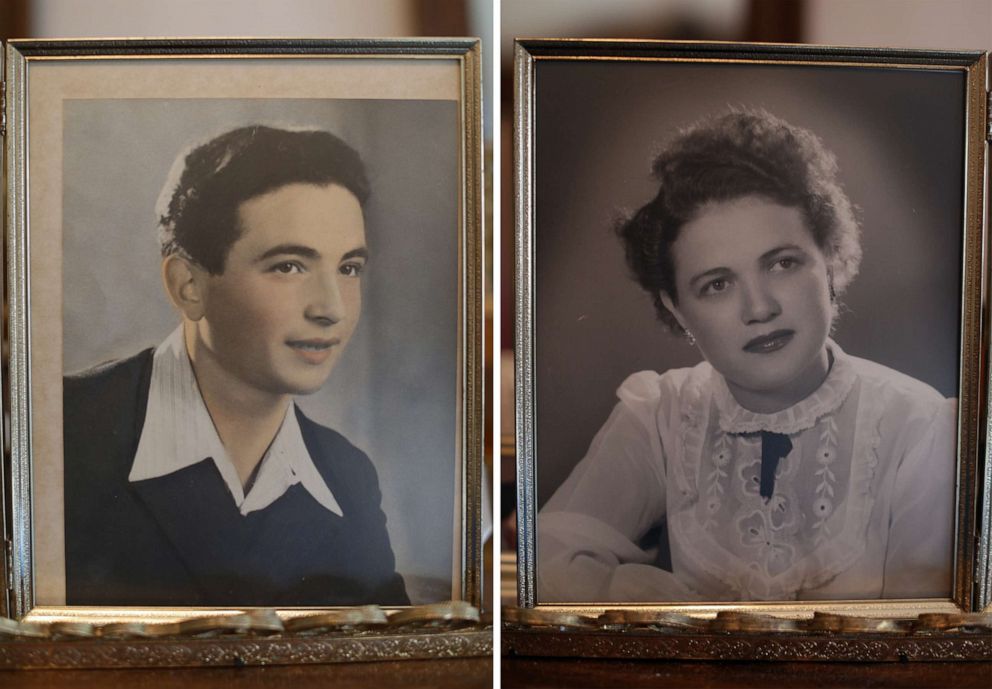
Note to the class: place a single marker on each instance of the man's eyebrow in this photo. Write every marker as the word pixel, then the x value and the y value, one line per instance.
pixel 288 250
pixel 307 252
pixel 360 252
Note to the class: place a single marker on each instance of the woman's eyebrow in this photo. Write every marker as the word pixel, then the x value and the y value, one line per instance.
pixel 706 274
pixel 772 253
pixel 767 256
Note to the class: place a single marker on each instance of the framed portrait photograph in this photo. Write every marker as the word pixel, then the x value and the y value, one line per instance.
pixel 751 315
pixel 245 292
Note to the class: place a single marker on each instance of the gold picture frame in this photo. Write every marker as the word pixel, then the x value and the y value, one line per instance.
pixel 588 114
pixel 374 94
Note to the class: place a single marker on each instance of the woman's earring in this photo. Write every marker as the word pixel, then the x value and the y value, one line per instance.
pixel 692 338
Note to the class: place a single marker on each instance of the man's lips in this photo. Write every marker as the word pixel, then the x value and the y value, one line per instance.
pixel 771 342
pixel 315 350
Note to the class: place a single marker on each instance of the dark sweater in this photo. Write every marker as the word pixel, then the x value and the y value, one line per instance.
pixel 180 540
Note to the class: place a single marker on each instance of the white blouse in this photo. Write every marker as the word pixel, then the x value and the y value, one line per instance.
pixel 863 505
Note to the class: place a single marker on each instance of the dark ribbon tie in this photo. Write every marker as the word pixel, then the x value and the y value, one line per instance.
pixel 774 446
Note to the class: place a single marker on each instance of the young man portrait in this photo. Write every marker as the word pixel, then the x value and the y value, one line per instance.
pixel 192 477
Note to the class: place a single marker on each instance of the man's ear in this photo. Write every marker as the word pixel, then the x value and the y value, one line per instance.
pixel 670 305
pixel 185 284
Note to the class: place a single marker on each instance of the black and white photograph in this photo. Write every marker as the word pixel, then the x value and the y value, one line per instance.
pixel 260 372
pixel 749 300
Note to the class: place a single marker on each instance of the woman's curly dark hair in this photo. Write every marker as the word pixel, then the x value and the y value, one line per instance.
pixel 737 154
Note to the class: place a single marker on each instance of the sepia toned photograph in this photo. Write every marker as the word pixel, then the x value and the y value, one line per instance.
pixel 753 287
pixel 264 394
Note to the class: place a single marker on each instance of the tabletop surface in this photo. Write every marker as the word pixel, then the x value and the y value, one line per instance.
pixel 518 673
pixel 460 673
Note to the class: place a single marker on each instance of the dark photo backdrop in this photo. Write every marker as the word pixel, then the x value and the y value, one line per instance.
pixel 898 136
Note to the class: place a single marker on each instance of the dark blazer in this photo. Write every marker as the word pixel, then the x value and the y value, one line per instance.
pixel 180 540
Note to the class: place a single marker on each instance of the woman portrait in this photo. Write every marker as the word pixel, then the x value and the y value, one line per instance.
pixel 761 451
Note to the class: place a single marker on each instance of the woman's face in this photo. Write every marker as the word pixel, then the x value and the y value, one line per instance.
pixel 753 289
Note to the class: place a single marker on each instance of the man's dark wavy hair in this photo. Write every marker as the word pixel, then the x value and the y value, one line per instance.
pixel 199 220
pixel 737 154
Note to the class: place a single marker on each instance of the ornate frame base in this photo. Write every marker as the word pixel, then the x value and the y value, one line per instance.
pixel 221 651
pixel 644 644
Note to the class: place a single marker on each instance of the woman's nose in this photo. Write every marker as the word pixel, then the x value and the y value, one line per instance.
pixel 758 303
pixel 324 303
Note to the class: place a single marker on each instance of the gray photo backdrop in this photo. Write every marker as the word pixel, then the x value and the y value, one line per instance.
pixel 899 140
pixel 393 392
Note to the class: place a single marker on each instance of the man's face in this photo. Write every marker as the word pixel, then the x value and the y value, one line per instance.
pixel 290 296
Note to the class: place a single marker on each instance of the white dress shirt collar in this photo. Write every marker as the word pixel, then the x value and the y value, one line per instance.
pixel 179 433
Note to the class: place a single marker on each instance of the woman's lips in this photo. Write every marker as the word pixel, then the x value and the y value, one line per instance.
pixel 772 342
pixel 313 351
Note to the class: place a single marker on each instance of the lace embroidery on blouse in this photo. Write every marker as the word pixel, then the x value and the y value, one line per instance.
pixel 767 529
pixel 823 506
pixel 812 528
pixel 799 417
pixel 693 438
pixel 722 456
